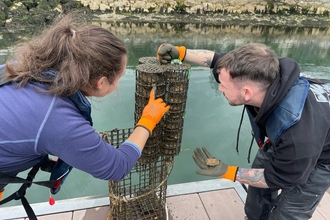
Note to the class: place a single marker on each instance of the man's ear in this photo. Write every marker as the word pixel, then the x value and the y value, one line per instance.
pixel 247 93
pixel 101 82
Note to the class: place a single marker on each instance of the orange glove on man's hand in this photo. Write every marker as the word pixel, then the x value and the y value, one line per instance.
pixel 167 52
pixel 210 166
pixel 1 193
pixel 152 112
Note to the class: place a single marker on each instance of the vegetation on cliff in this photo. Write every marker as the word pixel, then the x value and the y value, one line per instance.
pixel 36 13
pixel 16 14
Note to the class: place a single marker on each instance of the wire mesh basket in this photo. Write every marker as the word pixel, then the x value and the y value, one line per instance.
pixel 142 193
pixel 171 82
pixel 148 60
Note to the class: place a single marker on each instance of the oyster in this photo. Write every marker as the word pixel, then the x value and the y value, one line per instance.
pixel 212 162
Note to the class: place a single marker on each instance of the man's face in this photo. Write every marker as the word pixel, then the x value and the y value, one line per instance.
pixel 229 89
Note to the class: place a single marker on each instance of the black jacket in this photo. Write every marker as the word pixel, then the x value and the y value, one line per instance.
pixel 302 142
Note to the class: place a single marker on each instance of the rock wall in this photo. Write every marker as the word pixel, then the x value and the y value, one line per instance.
pixel 320 7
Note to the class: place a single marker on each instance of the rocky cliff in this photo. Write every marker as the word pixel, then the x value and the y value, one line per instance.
pixel 312 7
pixel 307 13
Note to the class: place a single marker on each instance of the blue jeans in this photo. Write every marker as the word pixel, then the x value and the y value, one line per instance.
pixel 298 203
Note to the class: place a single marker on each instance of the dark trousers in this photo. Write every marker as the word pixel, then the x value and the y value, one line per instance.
pixel 298 203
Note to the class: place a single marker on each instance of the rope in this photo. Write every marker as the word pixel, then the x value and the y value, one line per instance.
pixel 119 200
pixel 239 129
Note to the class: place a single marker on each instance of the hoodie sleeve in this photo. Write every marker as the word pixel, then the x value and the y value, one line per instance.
pixel 69 136
pixel 215 59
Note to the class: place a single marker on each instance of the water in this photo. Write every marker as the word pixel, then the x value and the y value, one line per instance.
pixel 209 121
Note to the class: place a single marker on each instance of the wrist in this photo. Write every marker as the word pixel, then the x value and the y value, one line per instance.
pixel 182 52
pixel 231 173
pixel 146 123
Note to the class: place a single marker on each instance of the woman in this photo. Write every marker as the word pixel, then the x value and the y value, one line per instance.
pixel 44 110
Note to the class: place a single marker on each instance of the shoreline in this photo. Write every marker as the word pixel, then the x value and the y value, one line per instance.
pixel 220 19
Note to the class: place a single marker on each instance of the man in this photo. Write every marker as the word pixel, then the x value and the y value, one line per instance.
pixel 290 118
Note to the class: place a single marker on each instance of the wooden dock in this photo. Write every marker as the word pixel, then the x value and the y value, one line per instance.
pixel 205 200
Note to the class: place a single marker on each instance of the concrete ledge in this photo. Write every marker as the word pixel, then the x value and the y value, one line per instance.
pixel 68 205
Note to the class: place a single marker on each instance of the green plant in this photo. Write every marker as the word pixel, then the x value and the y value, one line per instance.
pixel 180 7
pixel 167 4
pixel 305 11
pixel 8 3
pixel 151 9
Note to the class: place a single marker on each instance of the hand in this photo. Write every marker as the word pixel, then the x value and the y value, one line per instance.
pixel 210 166
pixel 152 112
pixel 167 52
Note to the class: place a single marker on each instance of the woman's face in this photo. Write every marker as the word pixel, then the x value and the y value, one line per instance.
pixel 103 85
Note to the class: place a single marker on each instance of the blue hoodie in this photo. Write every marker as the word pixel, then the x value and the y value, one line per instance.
pixel 35 124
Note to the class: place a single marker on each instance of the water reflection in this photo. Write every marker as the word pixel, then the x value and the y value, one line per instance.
pixel 306 45
pixel 209 120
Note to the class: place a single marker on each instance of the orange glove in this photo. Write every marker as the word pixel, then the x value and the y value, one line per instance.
pixel 218 169
pixel 152 112
pixel 1 193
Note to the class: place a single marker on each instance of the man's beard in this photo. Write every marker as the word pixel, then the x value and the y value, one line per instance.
pixel 239 100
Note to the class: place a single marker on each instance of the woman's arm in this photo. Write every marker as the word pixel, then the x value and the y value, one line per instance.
pixel 139 137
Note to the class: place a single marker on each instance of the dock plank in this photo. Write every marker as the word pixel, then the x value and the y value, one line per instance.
pixel 92 213
pixel 225 203
pixel 317 216
pixel 62 216
pixel 186 207
pixel 323 208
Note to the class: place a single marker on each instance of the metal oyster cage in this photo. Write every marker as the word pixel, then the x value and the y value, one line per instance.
pixel 142 193
pixel 171 82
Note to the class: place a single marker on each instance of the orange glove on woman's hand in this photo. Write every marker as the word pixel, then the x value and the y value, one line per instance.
pixel 213 167
pixel 152 112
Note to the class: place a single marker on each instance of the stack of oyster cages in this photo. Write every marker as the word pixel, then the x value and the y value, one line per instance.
pixel 171 82
pixel 147 77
